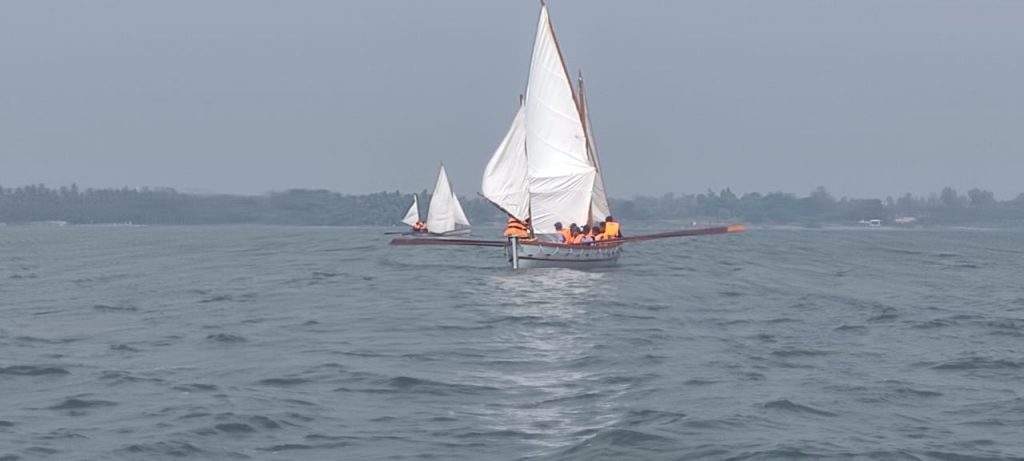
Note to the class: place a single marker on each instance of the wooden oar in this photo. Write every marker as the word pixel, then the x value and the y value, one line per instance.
pixel 684 233
pixel 447 241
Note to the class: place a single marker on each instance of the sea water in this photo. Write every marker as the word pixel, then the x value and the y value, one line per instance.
pixel 327 343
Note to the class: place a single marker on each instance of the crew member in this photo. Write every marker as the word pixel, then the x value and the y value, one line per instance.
pixel 517 228
pixel 420 226
pixel 586 237
pixel 611 228
pixel 562 235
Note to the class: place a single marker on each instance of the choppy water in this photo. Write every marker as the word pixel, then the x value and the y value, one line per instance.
pixel 323 343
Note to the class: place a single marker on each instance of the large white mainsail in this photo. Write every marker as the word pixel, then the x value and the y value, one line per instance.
pixel 504 182
pixel 413 215
pixel 599 208
pixel 559 172
pixel 445 211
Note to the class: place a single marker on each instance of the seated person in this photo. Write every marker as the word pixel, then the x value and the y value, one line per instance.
pixel 562 235
pixel 611 228
pixel 586 237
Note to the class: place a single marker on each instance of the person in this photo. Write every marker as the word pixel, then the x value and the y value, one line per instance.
pixel 420 226
pixel 586 237
pixel 562 235
pixel 574 234
pixel 517 228
pixel 598 232
pixel 611 228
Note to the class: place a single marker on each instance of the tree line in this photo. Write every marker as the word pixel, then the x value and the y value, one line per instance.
pixel 321 207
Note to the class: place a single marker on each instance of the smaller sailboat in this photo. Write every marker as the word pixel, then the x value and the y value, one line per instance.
pixel 445 215
pixel 412 217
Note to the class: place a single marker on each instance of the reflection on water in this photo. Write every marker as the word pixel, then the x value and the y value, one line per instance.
pixel 542 354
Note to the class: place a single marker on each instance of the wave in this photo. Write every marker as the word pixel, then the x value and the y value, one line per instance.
pixel 164 449
pixel 979 363
pixel 113 308
pixel 791 407
pixel 81 404
pixel 33 370
pixel 618 443
pixel 282 382
pixel 226 338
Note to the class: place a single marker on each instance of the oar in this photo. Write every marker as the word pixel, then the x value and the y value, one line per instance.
pixel 684 233
pixel 446 241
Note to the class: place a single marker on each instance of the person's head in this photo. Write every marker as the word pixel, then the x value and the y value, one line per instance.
pixel 598 228
pixel 609 219
pixel 585 229
pixel 558 226
pixel 575 230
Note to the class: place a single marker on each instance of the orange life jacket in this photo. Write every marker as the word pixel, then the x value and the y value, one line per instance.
pixel 566 234
pixel 577 239
pixel 611 229
pixel 516 228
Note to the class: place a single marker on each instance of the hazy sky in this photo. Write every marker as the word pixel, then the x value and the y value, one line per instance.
pixel 867 98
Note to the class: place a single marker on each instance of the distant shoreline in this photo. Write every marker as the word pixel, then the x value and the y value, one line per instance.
pixel 302 207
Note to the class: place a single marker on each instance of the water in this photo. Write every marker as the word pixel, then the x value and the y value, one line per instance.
pixel 325 343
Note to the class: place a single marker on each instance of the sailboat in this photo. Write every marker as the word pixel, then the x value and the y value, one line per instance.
pixel 412 217
pixel 445 215
pixel 546 170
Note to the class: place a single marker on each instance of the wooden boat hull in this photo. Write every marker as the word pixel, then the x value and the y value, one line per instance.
pixel 544 254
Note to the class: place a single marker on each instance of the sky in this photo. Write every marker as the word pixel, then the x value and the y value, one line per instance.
pixel 867 98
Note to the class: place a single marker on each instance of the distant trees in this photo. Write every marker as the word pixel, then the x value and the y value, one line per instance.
pixel 980 197
pixel 322 207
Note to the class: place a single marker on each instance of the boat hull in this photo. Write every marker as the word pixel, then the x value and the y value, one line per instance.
pixel 543 254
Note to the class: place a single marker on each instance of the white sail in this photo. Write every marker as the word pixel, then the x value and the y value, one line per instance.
pixel 413 215
pixel 504 182
pixel 599 208
pixel 460 214
pixel 559 172
pixel 445 210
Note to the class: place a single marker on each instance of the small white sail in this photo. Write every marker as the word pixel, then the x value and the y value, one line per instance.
pixel 413 215
pixel 445 211
pixel 460 214
pixel 560 174
pixel 599 208
pixel 504 182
